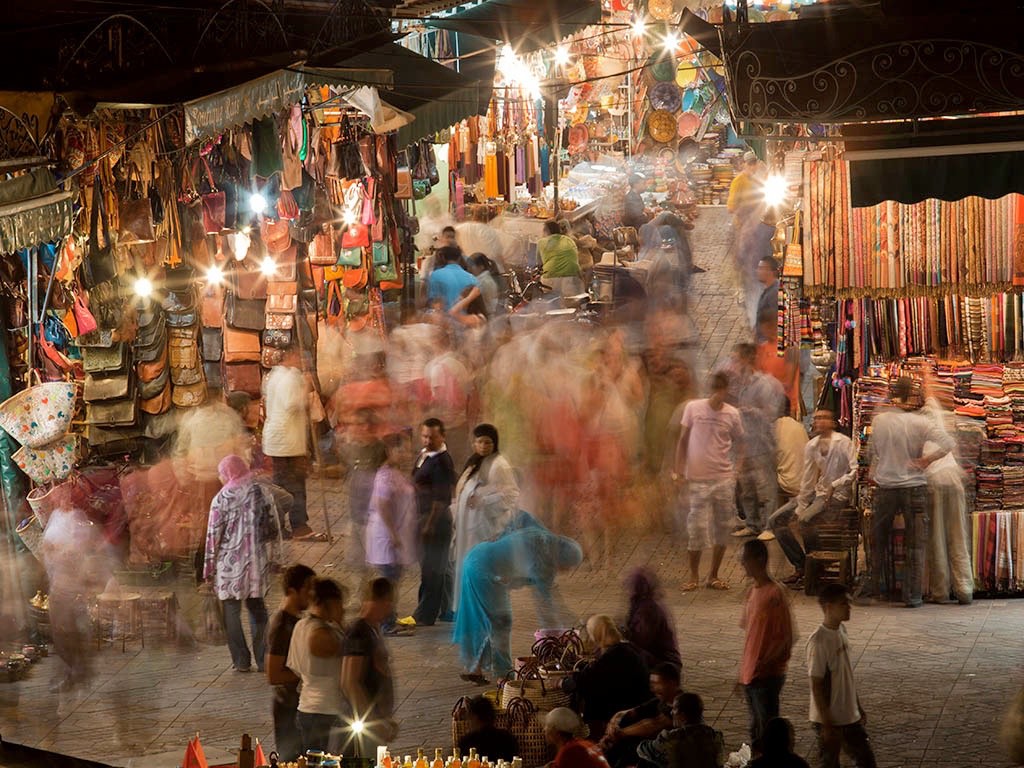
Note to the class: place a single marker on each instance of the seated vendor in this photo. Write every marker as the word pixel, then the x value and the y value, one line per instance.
pixel 627 728
pixel 560 259
pixel 484 736
pixel 689 743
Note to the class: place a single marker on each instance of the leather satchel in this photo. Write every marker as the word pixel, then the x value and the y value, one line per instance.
pixel 150 389
pixel 151 334
pixel 281 303
pixel 323 251
pixel 160 403
pixel 280 322
pixel 189 396
pixel 113 413
pixel 109 388
pixel 105 360
pixel 152 352
pixel 214 379
pixel 190 332
pixel 271 357
pixel 241 346
pixel 212 307
pixel 243 377
pixel 282 288
pixel 213 344
pixel 150 370
pixel 249 284
pixel 276 235
pixel 245 314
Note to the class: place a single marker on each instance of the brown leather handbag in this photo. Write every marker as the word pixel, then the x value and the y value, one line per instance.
pixel 280 322
pixel 249 284
pixel 212 307
pixel 246 314
pixel 243 377
pixel 241 346
pixel 150 389
pixel 271 357
pixel 159 404
pixel 189 396
pixel 282 303
pixel 213 344
pixel 276 235
pixel 282 288
pixel 108 388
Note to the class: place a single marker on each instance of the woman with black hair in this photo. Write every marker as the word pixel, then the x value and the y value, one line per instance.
pixel 489 280
pixel 485 498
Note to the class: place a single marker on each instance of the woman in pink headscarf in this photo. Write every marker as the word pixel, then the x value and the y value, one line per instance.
pixel 243 522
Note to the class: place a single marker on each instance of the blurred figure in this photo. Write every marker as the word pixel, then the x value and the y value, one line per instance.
pixel 629 727
pixel 286 440
pixel 746 204
pixel 527 556
pixel 449 280
pixel 898 464
pixel 78 564
pixel 826 486
pixel 616 679
pixel 648 624
pixel 364 454
pixel 486 497
pixel 709 438
pixel 560 261
pixel 949 559
pixel 489 280
pixel 634 212
pixel 790 442
pixel 434 479
pixel 564 730
pixel 243 522
pixel 770 634
pixel 777 744
pixel 297 583
pixel 785 367
pixel 768 298
pixel 366 677
pixel 315 656
pixel 690 743
pixel 392 530
pixel 483 736
pixel 836 713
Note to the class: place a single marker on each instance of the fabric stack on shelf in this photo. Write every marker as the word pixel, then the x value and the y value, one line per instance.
pixel 990 487
pixel 999 417
pixel 1013 485
pixel 998 550
pixel 987 380
pixel 1013 386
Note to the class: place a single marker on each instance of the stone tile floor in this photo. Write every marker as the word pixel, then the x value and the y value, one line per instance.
pixel 934 681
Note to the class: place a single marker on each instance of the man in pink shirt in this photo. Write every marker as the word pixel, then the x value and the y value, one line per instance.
pixel 770 635
pixel 710 434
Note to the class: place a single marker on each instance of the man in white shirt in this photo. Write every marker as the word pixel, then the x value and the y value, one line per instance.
pixel 829 469
pixel 836 713
pixel 899 461
pixel 711 432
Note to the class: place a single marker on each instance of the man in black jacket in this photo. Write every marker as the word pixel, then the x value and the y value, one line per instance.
pixel 434 479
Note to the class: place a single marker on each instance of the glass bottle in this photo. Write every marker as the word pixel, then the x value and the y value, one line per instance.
pixel 474 761
pixel 456 761
pixel 438 760
pixel 421 759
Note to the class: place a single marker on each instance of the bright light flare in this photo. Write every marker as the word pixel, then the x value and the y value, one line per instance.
pixel 358 726
pixel 240 245
pixel 143 287
pixel 215 275
pixel 257 203
pixel 562 56
pixel 671 42
pixel 775 190
pixel 268 266
pixel 639 28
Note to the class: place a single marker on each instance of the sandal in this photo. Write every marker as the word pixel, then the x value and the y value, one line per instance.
pixel 689 586
pixel 718 584
pixel 474 677
pixel 314 536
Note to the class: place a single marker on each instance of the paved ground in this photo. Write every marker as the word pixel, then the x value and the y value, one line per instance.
pixel 934 681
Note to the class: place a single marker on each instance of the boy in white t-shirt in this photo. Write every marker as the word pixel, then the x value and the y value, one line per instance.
pixel 836 714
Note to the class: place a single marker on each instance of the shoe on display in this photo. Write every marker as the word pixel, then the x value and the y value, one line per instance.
pixel 745 531
pixel 766 536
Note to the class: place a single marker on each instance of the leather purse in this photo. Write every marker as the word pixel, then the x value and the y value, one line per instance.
pixel 279 338
pixel 150 370
pixel 108 388
pixel 99 265
pixel 213 344
pixel 113 413
pixel 249 285
pixel 191 395
pixel 271 356
pixel 245 314
pixel 241 346
pixel 243 377
pixel 355 277
pixel 355 235
pixel 282 288
pixel 108 360
pixel 323 251
pixel 350 257
pixel 160 403
pixel 381 253
pixel 153 351
pixel 276 235
pixel 211 307
pixel 281 304
pixel 281 322
pixel 214 377
pixel 151 334
pixel 214 205
pixel 190 332
pixel 150 389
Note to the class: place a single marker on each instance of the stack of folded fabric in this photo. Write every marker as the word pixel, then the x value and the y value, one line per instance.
pixel 990 487
pixel 1013 386
pixel 987 380
pixel 1013 486
pixel 999 417
pixel 993 453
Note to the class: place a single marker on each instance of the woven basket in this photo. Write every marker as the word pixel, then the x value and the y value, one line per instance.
pixel 521 718
pixel 528 684
pixel 31 535
pixel 40 413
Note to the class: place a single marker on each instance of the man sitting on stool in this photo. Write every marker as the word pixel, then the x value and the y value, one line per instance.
pixel 830 466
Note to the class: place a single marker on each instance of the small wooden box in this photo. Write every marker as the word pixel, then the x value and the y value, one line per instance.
pixel 826 567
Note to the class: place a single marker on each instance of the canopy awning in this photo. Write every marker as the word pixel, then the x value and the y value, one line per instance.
pixel 33 211
pixel 436 96
pixel 207 116
pixel 526 24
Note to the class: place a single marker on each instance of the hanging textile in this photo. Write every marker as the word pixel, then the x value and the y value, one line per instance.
pixel 932 248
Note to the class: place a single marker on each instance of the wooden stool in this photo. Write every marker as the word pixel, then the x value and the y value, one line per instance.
pixel 118 616
pixel 159 614
pixel 826 567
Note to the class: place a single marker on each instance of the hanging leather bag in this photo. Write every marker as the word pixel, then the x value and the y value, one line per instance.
pixel 99 265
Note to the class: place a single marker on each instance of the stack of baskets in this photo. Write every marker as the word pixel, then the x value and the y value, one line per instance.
pixel 528 693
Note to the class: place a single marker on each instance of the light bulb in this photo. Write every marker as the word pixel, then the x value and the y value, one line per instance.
pixel 671 42
pixel 774 190
pixel 268 266
pixel 215 275
pixel 257 203
pixel 357 726
pixel 349 218
pixel 143 287
pixel 639 28
pixel 561 56
pixel 240 244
